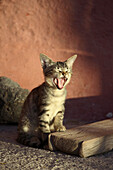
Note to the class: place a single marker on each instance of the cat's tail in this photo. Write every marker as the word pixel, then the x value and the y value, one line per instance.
pixel 33 141
pixel 29 140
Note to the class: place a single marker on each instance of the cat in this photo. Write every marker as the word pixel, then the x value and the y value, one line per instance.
pixel 43 110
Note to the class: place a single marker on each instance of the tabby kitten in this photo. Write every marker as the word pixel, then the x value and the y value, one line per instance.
pixel 43 110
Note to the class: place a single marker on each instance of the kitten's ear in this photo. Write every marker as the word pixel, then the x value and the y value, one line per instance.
pixel 70 61
pixel 45 61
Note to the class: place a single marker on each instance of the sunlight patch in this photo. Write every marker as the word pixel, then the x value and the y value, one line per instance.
pixel 25 128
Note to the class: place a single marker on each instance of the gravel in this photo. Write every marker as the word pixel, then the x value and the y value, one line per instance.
pixel 15 156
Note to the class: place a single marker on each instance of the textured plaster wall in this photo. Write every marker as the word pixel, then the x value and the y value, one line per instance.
pixel 60 29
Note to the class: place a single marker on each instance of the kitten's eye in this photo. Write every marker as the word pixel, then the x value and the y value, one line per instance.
pixel 56 70
pixel 66 71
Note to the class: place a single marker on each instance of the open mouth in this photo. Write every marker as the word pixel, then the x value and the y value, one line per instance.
pixel 59 82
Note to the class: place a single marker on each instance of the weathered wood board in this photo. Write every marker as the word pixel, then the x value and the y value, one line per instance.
pixel 86 140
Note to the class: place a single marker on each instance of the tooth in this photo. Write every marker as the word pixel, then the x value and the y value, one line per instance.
pixel 55 81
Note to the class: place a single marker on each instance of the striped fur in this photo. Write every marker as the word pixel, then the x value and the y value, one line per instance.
pixel 43 110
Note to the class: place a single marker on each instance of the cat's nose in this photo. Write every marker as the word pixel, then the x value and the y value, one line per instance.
pixel 63 73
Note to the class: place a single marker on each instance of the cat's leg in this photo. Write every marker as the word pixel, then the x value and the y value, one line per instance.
pixel 58 122
pixel 44 123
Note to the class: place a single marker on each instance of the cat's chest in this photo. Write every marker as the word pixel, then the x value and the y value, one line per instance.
pixel 56 104
pixel 56 97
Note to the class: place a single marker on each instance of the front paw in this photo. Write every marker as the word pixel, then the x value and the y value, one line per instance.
pixel 45 131
pixel 61 129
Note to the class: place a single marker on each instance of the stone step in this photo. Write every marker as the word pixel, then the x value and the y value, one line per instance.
pixel 85 140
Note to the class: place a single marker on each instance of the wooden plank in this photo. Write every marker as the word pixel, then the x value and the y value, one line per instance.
pixel 84 140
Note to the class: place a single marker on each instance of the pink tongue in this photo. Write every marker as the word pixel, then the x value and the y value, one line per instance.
pixel 60 83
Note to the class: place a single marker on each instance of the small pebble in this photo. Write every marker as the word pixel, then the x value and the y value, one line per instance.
pixel 109 115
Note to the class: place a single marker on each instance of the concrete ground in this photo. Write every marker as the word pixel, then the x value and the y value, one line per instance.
pixel 14 156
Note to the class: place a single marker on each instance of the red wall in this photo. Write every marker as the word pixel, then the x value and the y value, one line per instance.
pixel 60 29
